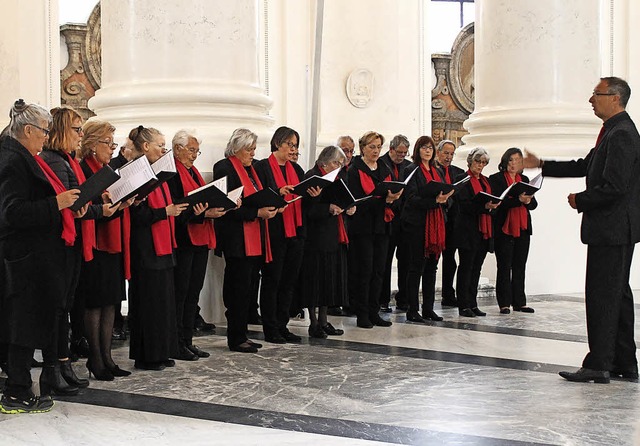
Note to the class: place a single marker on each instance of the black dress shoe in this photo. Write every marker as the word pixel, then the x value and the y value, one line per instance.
pixel 385 308
pixel 255 344
pixel 430 314
pixel 585 375
pixel 364 322
pixel 332 331
pixel 118 372
pixel 334 311
pixel 155 366
pixel 245 347
pixel 316 331
pixel 378 321
pixel 630 373
pixel 184 354
pixel 168 363
pixel 79 347
pixel 466 312
pixel 202 325
pixel 478 312
pixel 524 309
pixel 448 302
pixel 414 316
pixel 402 307
pixel 118 334
pixel 197 351
pixel 275 339
pixel 505 310
pixel 290 337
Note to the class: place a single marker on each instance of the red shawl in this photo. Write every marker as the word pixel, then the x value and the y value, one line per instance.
pixel 88 227
pixel 200 233
pixel 251 229
pixel 162 231
pixel 68 226
pixel 367 186
pixel 342 231
pixel 517 216
pixel 292 215
pixel 114 235
pixel 484 220
pixel 434 230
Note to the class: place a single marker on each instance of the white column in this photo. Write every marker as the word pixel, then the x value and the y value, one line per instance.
pixel 173 65
pixel 30 54
pixel 536 65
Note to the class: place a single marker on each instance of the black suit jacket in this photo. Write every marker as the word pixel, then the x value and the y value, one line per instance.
pixel 415 208
pixel 321 226
pixel 498 185
pixel 466 232
pixel 610 205
pixel 182 234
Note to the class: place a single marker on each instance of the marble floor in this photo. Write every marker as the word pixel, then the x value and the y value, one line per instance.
pixel 482 381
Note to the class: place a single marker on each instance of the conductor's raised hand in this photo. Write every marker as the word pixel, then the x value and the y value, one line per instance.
pixel 530 160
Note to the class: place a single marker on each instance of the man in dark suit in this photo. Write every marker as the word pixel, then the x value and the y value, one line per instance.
pixel 610 208
pixel 444 156
pixel 395 160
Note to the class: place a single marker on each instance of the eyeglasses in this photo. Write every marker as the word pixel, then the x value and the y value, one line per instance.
pixel 403 153
pixel 112 145
pixel 427 147
pixel 78 130
pixel 598 93
pixel 290 144
pixel 348 150
pixel 482 162
pixel 45 131
pixel 193 151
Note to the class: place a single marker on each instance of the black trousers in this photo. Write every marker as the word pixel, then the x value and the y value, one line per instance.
pixel 18 370
pixel 189 272
pixel 610 309
pixel 237 292
pixel 419 268
pixel 469 269
pixel 511 259
pixel 396 246
pixel 279 279
pixel 367 256
pixel 449 265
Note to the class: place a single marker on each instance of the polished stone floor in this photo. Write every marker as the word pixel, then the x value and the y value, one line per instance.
pixel 487 381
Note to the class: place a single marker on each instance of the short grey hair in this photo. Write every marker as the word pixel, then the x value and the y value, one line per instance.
pixel 397 141
pixel 345 138
pixel 477 154
pixel 329 154
pixel 181 138
pixel 442 143
pixel 23 114
pixel 240 139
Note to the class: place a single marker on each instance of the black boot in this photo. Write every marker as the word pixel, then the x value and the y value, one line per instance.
pixel 70 376
pixel 52 382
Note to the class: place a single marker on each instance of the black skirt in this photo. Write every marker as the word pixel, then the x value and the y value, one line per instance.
pixel 324 278
pixel 102 280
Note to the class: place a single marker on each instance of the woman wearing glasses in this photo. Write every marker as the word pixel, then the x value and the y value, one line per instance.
pixel 369 231
pixel 473 232
pixel 60 154
pixel 195 237
pixel 102 282
pixel 36 229
pixel 152 304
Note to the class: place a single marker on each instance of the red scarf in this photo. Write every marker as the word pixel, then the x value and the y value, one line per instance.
pixel 114 235
pixel 251 229
pixel 484 220
pixel 68 226
pixel 517 216
pixel 367 186
pixel 200 233
pixel 162 231
pixel 434 229
pixel 88 227
pixel 342 231
pixel 292 215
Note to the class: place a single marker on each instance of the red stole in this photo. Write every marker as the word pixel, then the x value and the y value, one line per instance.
pixel 292 215
pixel 162 231
pixel 484 220
pixel 68 226
pixel 114 235
pixel 367 186
pixel 88 227
pixel 342 231
pixel 251 229
pixel 517 216
pixel 434 229
pixel 200 233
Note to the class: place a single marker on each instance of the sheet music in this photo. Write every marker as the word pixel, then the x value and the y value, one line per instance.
pixel 331 176
pixel 537 181
pixel 132 176
pixel 221 184
pixel 235 194
pixel 166 163
pixel 406 181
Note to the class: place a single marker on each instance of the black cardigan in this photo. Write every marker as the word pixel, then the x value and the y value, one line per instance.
pixel 498 185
